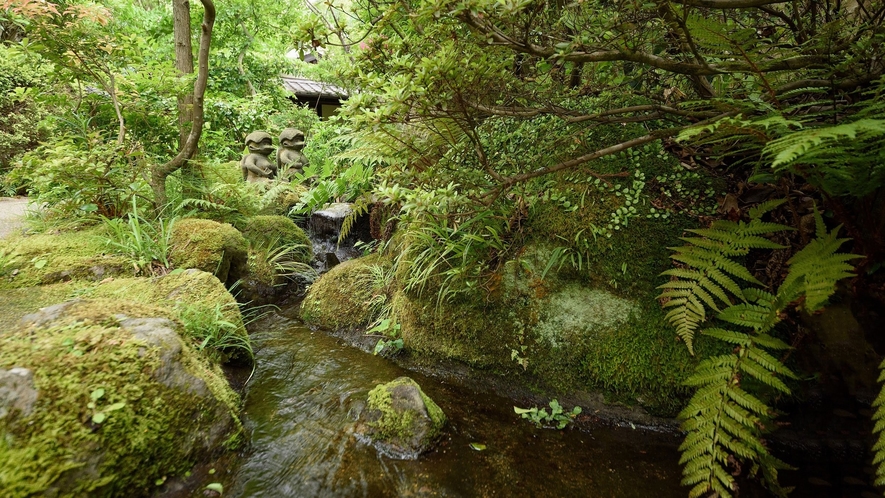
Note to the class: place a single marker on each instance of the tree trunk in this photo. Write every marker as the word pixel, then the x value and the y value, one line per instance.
pixel 187 150
pixel 184 62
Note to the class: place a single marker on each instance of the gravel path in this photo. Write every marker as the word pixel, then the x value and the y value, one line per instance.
pixel 12 214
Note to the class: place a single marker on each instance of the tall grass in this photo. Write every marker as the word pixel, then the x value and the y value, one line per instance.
pixel 211 330
pixel 144 243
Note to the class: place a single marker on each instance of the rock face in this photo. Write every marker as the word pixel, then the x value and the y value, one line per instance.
pixel 103 398
pixel 17 392
pixel 400 420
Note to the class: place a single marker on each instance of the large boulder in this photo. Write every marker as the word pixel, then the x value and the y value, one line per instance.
pixel 341 299
pixel 103 398
pixel 400 420
pixel 271 231
pixel 207 245
pixel 195 298
pixel 279 253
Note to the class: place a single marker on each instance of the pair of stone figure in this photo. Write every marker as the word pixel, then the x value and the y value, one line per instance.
pixel 257 166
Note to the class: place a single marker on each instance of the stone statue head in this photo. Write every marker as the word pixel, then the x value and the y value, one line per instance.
pixel 259 142
pixel 292 138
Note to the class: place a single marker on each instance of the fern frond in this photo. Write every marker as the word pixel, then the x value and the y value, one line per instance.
pixel 722 419
pixel 359 208
pixel 815 270
pixel 757 211
pixel 749 315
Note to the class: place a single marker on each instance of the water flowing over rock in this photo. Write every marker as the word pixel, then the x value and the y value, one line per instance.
pixel 325 226
pixel 400 420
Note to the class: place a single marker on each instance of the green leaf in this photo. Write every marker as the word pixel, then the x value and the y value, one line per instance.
pixel 98 417
pixel 477 446
pixel 216 486
pixel 97 394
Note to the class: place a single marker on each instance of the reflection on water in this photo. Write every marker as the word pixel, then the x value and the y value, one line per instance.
pixel 304 399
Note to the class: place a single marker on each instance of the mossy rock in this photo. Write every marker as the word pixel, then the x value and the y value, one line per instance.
pixel 194 297
pixel 400 420
pixel 340 298
pixel 45 259
pixel 207 245
pixel 272 231
pixel 121 401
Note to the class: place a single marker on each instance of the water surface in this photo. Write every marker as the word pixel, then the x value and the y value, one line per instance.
pixel 308 389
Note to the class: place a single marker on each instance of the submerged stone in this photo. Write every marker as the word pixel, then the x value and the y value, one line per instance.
pixel 400 420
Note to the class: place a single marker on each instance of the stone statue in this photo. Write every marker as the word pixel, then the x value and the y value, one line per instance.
pixel 289 154
pixel 256 165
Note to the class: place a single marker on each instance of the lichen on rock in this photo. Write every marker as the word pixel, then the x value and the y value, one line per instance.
pixel 400 420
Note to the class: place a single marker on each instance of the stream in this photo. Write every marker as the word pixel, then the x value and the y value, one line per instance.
pixel 302 402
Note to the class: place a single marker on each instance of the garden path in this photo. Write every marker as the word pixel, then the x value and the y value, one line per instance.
pixel 12 214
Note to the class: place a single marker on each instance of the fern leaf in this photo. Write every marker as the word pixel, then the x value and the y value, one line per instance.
pixel 748 315
pixel 757 211
pixel 729 336
pixel 815 270
pixel 763 375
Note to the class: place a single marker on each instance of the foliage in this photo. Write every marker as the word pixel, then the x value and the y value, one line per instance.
pixel 210 328
pixel 557 417
pixel 838 153
pixel 8 258
pixel 20 110
pixel 331 187
pixel 145 244
pixel 707 277
pixel 724 421
pixel 276 263
pixel 79 176
pixel 440 79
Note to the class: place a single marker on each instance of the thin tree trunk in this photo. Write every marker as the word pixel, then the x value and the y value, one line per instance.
pixel 184 62
pixel 159 173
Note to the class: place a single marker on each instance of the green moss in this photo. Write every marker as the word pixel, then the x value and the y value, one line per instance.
pixel 195 298
pixel 393 426
pixel 271 231
pixel 207 245
pixel 58 450
pixel 20 302
pixel 340 299
pixel 50 258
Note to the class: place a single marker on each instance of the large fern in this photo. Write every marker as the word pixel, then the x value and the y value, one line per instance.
pixel 708 278
pixel 724 423
pixel 844 159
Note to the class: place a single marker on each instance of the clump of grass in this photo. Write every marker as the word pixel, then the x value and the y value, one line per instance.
pixel 212 331
pixel 145 244
pixel 276 263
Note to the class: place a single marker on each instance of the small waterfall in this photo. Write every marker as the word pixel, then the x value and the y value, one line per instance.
pixel 323 228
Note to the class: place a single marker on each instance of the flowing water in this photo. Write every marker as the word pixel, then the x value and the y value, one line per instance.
pixel 308 389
